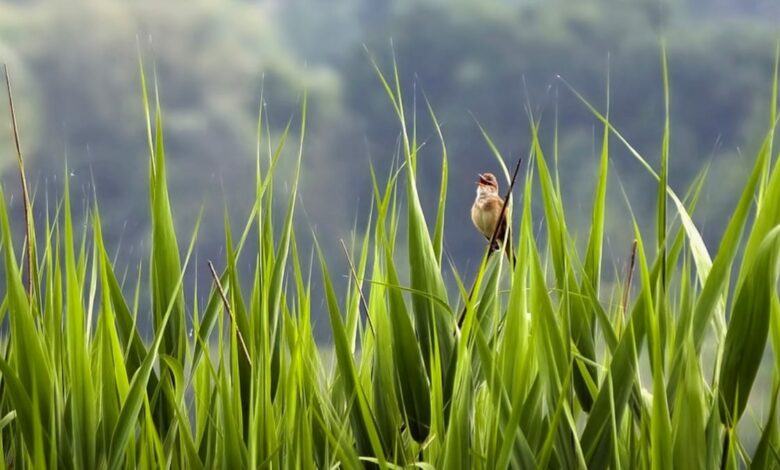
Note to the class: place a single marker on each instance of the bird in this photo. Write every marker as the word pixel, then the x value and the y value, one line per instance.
pixel 486 213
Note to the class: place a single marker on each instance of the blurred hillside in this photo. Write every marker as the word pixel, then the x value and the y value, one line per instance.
pixel 75 70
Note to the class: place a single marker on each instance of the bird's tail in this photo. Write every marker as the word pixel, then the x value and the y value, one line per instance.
pixel 510 254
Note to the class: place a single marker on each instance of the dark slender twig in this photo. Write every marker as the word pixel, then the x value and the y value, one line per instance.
pixel 357 286
pixel 725 455
pixel 25 193
pixel 629 277
pixel 229 310
pixel 493 237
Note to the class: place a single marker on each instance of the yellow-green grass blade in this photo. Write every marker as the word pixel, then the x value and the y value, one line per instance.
pixel 458 442
pixel 240 334
pixel 438 231
pixel 136 396
pixel 660 425
pixel 355 288
pixel 772 124
pixel 27 353
pixel 695 238
pixel 663 173
pixel 165 263
pixel 689 418
pixel 551 346
pixel 280 259
pixel 595 438
pixel 83 413
pixel 716 283
pixel 425 273
pixel 505 433
pixel 563 257
pixel 384 377
pixel 515 355
pixel 765 454
pixel 410 374
pixel 546 451
pixel 593 252
pixel 487 298
pixel 767 212
pixel 235 452
pixel 113 372
pixel 748 329
pixel 363 423
pixel 25 406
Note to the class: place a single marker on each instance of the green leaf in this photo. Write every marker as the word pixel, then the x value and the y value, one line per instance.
pixel 748 329
pixel 136 396
pixel 411 378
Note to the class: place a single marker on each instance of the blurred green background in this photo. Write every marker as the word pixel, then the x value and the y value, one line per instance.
pixel 74 67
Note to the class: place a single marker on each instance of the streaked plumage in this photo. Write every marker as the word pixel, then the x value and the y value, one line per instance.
pixel 486 213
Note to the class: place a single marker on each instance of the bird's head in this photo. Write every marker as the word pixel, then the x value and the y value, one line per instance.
pixel 487 183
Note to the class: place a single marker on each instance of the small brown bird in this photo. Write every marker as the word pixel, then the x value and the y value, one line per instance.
pixel 486 213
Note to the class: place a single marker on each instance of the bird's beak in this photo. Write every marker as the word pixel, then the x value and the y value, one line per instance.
pixel 481 179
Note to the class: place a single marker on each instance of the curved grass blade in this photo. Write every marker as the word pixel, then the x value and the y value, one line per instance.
pixel 363 424
pixel 128 416
pixel 748 329
pixel 411 378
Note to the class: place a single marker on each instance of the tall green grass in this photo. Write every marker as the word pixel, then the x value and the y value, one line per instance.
pixel 546 370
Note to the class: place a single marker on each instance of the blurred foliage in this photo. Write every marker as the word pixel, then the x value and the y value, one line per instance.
pixel 75 67
pixel 76 78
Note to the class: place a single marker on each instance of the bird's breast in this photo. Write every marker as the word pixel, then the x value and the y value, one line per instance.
pixel 483 216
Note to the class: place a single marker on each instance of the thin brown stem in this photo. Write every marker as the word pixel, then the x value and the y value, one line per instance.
pixel 357 286
pixel 629 279
pixel 25 193
pixel 229 310
pixel 493 237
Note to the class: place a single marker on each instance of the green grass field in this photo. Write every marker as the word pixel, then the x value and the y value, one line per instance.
pixel 548 368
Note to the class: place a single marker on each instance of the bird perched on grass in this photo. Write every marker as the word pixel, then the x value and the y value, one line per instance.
pixel 486 214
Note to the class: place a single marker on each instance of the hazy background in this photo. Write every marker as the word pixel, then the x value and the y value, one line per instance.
pixel 74 66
